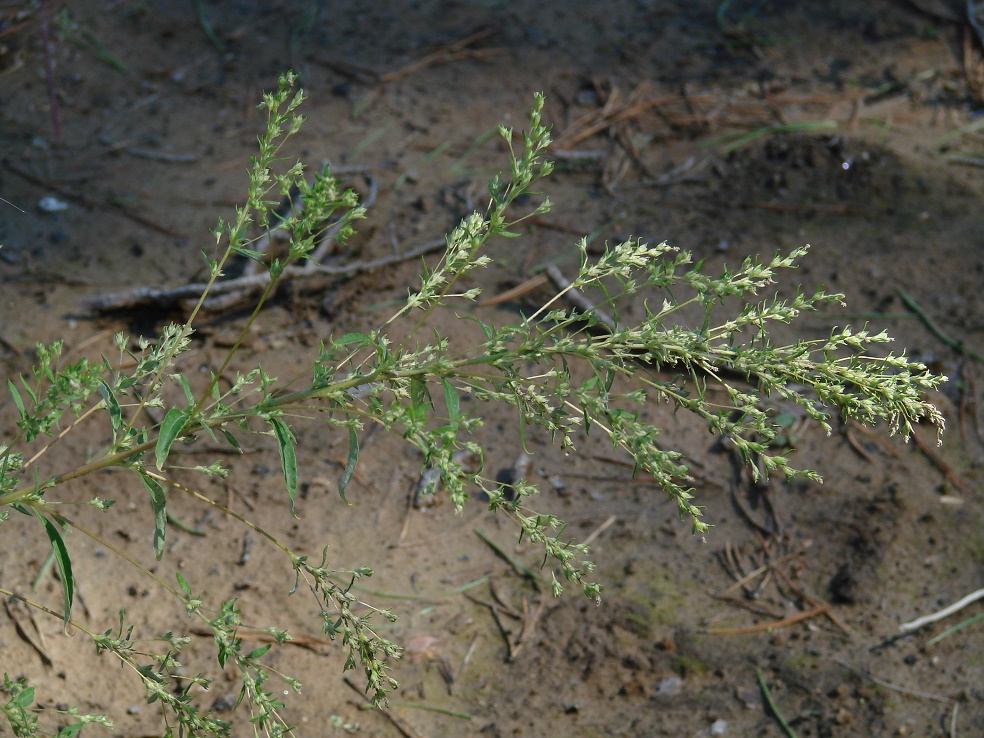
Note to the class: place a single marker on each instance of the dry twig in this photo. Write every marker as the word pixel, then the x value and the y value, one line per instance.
pixel 944 613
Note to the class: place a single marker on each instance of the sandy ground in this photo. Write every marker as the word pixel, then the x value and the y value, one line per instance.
pixel 851 100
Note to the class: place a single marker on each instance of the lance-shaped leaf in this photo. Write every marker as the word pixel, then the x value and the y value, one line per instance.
pixel 350 463
pixel 115 414
pixel 158 501
pixel 288 461
pixel 64 563
pixel 174 423
pixel 17 398
pixel 451 399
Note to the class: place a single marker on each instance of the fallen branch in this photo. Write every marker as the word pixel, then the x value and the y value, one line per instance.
pixel 169 297
pixel 578 298
pixel 948 473
pixel 772 624
pixel 944 613
pixel 89 202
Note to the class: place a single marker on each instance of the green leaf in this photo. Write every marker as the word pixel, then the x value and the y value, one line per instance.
pixel 30 392
pixel 17 398
pixel 288 461
pixel 24 698
pixel 180 378
pixel 419 394
pixel 257 652
pixel 451 398
pixel 115 414
pixel 174 422
pixel 183 583
pixel 350 463
pixel 70 731
pixel 231 439
pixel 64 563
pixel 158 501
pixel 351 338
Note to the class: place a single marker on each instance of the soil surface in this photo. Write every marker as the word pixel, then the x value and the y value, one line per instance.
pixel 728 129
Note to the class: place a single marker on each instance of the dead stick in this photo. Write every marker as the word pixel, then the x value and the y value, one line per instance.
pixel 750 606
pixel 882 443
pixel 762 570
pixel 857 446
pixel 577 298
pixel 405 728
pixel 453 52
pixel 599 530
pixel 948 473
pixel 519 290
pixel 810 600
pixel 90 203
pixel 772 624
pixel 163 297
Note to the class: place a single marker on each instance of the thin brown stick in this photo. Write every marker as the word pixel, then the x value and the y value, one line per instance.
pixel 453 52
pixel 90 203
pixel 10 346
pixel 884 445
pixel 762 570
pixel 530 621
pixel 578 298
pixel 750 606
pixel 405 728
pixel 518 291
pixel 948 473
pixel 856 445
pixel 746 513
pixel 810 600
pixel 599 530
pixel 772 624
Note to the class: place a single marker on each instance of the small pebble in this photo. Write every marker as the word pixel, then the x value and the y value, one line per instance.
pixel 719 727
pixel 669 687
pixel 51 204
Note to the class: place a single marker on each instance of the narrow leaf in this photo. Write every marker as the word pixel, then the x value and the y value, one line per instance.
pixel 158 501
pixel 115 414
pixel 30 392
pixel 451 398
pixel 171 428
pixel 182 380
pixel 351 338
pixel 183 583
pixel 288 461
pixel 231 439
pixel 64 563
pixel 257 652
pixel 17 398
pixel 350 463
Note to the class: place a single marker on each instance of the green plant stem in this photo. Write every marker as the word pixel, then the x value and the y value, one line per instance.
pixel 790 733
pixel 41 451
pixel 959 626
pixel 431 708
pixel 519 568
pixel 953 343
